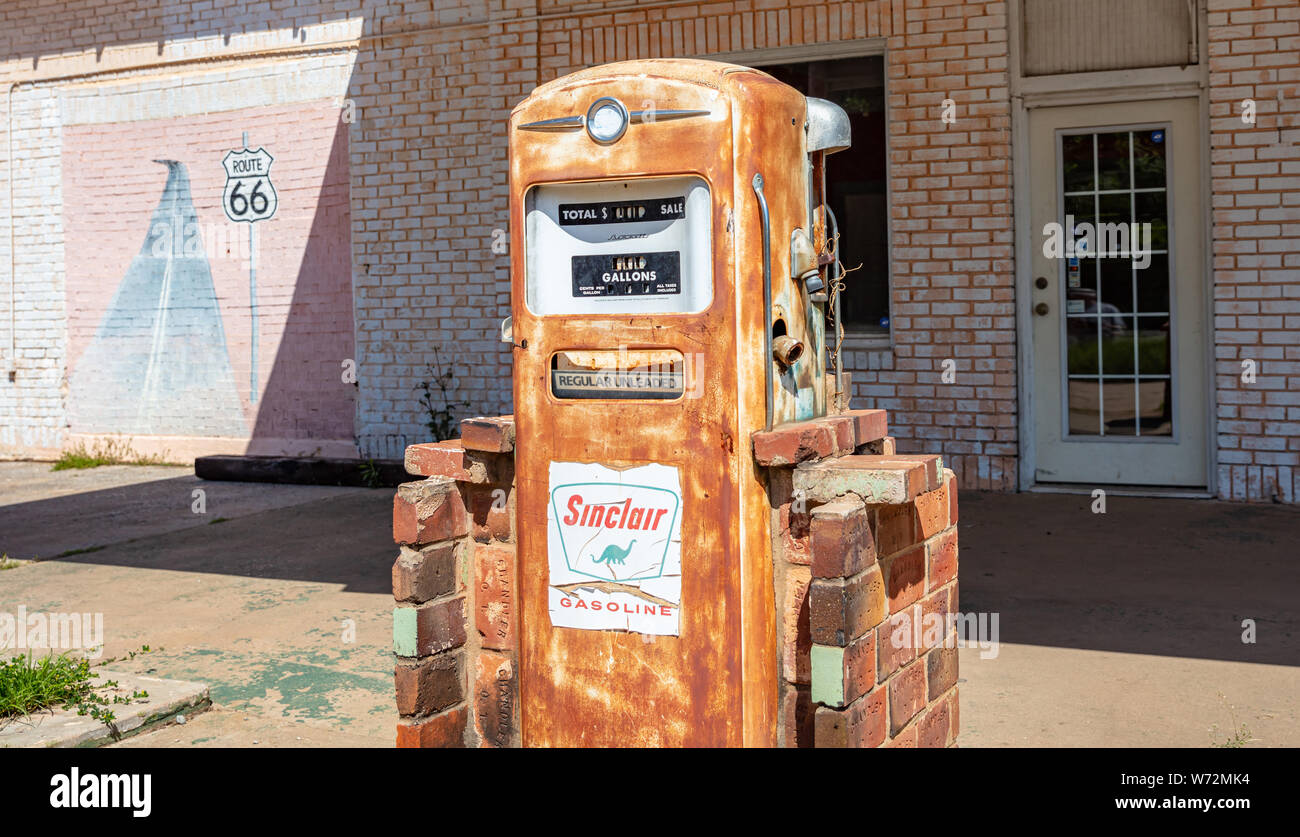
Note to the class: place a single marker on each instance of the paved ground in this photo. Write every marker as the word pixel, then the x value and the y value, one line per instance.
pixel 1125 628
pixel 1121 629
pixel 252 597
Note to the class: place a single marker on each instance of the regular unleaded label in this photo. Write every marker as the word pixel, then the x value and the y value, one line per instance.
pixel 614 548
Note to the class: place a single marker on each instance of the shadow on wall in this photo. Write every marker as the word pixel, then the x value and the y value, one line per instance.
pixel 158 364
pixel 219 342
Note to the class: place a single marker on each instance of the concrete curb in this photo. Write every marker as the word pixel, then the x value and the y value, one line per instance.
pixel 388 473
pixel 65 728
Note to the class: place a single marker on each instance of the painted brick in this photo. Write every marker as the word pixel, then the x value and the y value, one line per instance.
pixel 443 730
pixel 841 610
pixel 495 595
pixel 840 538
pixel 429 628
pixel 426 573
pixel 842 675
pixel 429 685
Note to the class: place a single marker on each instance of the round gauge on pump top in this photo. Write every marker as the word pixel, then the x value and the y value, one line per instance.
pixel 607 120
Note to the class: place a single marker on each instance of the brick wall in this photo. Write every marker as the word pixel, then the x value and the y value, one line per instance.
pixel 454 627
pixel 864 549
pixel 1254 48
pixel 432 87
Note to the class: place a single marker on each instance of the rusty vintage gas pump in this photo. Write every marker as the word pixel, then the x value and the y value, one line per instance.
pixel 671 264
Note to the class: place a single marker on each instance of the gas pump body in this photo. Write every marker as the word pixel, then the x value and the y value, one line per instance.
pixel 643 363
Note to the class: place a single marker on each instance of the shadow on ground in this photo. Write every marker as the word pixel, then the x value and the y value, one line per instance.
pixel 1171 577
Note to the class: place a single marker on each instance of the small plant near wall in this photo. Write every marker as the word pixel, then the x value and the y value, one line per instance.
pixel 436 401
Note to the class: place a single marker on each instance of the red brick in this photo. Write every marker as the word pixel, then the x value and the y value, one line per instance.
pixel 941 669
pixel 494 700
pixel 438 459
pixel 934 619
pixel 491 511
pixel 439 626
pixel 840 538
pixel 941 559
pixel 427 573
pixel 905 577
pixel 796 639
pixel 906 696
pixel 895 529
pixel 450 459
pixel 444 730
pixel 895 642
pixel 430 685
pixel 801 441
pixel 795 533
pixel 905 739
pixel 427 511
pixel 952 499
pixel 495 435
pixel 495 596
pixel 936 726
pixel 841 610
pixel 797 716
pixel 860 724
pixel 932 511
pixel 868 425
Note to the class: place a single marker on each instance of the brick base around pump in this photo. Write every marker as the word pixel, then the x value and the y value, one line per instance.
pixel 865 552
pixel 864 562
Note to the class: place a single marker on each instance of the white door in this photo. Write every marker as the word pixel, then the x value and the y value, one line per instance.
pixel 1118 294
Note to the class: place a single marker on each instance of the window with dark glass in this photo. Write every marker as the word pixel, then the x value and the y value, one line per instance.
pixel 855 180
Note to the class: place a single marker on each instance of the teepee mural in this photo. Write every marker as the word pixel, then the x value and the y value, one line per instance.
pixel 158 363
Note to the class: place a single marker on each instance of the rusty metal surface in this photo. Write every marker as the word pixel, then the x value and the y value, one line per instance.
pixel 715 685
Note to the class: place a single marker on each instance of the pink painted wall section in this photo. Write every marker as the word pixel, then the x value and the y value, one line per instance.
pixel 163 345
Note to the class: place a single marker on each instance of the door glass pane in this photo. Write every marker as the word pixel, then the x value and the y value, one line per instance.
pixel 1119 378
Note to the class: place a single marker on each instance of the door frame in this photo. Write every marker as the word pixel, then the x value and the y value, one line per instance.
pixel 1097 89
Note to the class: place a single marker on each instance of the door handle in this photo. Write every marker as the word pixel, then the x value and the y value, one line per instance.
pixel 1041 309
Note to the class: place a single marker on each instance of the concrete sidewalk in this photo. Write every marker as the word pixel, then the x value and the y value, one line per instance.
pixel 259 597
pixel 1122 629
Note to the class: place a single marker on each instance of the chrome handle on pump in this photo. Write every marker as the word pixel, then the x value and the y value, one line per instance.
pixel 767 299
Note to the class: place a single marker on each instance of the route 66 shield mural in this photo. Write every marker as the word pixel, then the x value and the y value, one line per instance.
pixel 613 542
pixel 249 195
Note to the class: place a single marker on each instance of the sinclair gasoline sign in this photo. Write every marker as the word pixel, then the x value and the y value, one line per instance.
pixel 614 546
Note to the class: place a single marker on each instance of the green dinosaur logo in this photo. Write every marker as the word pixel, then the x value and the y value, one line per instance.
pixel 613 555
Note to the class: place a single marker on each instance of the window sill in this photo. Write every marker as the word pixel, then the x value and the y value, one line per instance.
pixel 879 341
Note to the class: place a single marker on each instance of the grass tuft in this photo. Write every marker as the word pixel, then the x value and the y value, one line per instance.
pixel 114 451
pixel 28 685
